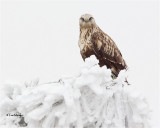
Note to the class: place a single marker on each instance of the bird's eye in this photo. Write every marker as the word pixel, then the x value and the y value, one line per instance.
pixel 90 18
pixel 82 19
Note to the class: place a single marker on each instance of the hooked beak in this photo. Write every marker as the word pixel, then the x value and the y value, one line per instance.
pixel 86 19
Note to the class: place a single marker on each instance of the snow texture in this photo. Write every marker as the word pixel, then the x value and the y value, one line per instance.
pixel 89 100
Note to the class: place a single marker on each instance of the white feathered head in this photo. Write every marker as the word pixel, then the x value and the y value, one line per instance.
pixel 87 21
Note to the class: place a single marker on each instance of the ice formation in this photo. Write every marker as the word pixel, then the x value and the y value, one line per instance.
pixel 89 100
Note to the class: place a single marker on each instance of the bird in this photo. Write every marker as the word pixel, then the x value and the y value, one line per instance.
pixel 93 41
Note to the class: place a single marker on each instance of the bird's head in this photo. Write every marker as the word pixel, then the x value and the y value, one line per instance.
pixel 87 21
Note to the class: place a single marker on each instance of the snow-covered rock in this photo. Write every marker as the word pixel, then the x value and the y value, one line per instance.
pixel 90 100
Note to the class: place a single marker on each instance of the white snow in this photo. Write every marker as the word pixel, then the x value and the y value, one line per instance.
pixel 89 100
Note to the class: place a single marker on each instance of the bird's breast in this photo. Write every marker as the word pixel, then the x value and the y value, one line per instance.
pixel 85 39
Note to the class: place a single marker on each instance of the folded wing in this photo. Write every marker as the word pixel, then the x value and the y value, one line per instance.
pixel 107 52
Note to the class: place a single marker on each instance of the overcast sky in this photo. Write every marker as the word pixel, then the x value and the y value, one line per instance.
pixel 40 40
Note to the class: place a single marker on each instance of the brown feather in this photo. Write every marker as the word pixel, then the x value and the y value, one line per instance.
pixel 108 52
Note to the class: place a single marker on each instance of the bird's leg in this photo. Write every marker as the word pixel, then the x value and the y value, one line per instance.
pixel 113 76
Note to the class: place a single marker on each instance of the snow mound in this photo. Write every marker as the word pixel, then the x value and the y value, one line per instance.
pixel 90 100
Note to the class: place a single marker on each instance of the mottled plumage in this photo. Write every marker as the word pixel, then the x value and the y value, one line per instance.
pixel 93 41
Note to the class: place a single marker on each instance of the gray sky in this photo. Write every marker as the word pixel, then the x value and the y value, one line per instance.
pixel 40 40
